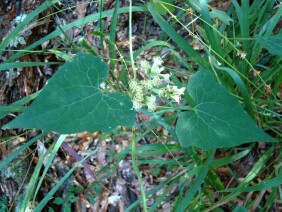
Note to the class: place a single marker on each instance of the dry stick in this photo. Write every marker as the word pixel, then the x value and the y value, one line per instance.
pixel 84 164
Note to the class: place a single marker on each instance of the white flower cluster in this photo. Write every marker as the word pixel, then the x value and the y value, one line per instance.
pixel 156 84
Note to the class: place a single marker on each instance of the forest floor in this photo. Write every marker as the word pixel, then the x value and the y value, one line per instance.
pixel 108 182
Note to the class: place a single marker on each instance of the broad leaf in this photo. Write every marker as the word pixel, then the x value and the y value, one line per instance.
pixel 72 101
pixel 218 120
pixel 272 44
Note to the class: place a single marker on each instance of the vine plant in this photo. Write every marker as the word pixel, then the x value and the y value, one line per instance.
pixel 207 115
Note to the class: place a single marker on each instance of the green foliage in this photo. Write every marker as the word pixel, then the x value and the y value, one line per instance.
pixel 217 119
pixel 74 96
pixel 164 9
pixel 4 203
pixel 272 44
pixel 233 72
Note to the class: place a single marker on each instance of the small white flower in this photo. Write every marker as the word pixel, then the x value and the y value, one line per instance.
pixel 166 77
pixel 177 92
pixel 156 81
pixel 151 103
pixel 241 54
pixel 148 84
pixel 156 70
pixel 145 64
pixel 158 61
pixel 136 104
pixel 20 18
pixel 156 67
pixel 160 92
pixel 174 93
pixel 133 85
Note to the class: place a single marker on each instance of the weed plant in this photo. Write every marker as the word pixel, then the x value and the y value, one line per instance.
pixel 213 85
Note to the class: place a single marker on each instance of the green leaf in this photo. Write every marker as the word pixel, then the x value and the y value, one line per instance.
pixel 276 181
pixel 240 209
pixel 217 120
pixel 163 6
pixel 58 201
pixel 272 44
pixel 221 15
pixel 72 101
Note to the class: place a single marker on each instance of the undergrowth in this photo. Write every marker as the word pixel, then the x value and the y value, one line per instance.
pixel 205 96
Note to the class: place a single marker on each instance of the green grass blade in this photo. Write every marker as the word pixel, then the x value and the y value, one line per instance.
pixel 277 181
pixel 252 174
pixel 161 121
pixel 78 23
pixel 183 44
pixel 214 40
pixel 25 22
pixel 34 178
pixel 50 194
pixel 243 89
pixel 243 17
pixel 113 35
pixel 11 109
pixel 16 153
pixel 101 24
pixel 4 111
pixel 151 45
pixel 161 198
pixel 152 191
pixel 265 32
pixel 6 66
pixel 54 151
pixel 196 185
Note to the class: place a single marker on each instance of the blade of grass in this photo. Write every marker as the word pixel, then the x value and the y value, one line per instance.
pixel 265 32
pixel 34 178
pixel 101 24
pixel 252 174
pixel 22 148
pixel 6 66
pixel 161 121
pixel 135 166
pixel 243 17
pixel 54 151
pixel 275 182
pixel 196 185
pixel 11 109
pixel 239 82
pixel 161 198
pixel 152 191
pixel 183 44
pixel 214 40
pixel 113 35
pixel 15 32
pixel 18 103
pixel 77 23
pixel 50 194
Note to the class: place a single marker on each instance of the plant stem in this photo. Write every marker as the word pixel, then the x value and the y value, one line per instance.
pixel 134 162
pixel 130 40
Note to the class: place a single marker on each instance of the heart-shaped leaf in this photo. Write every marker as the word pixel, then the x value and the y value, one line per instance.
pixel 218 120
pixel 72 102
